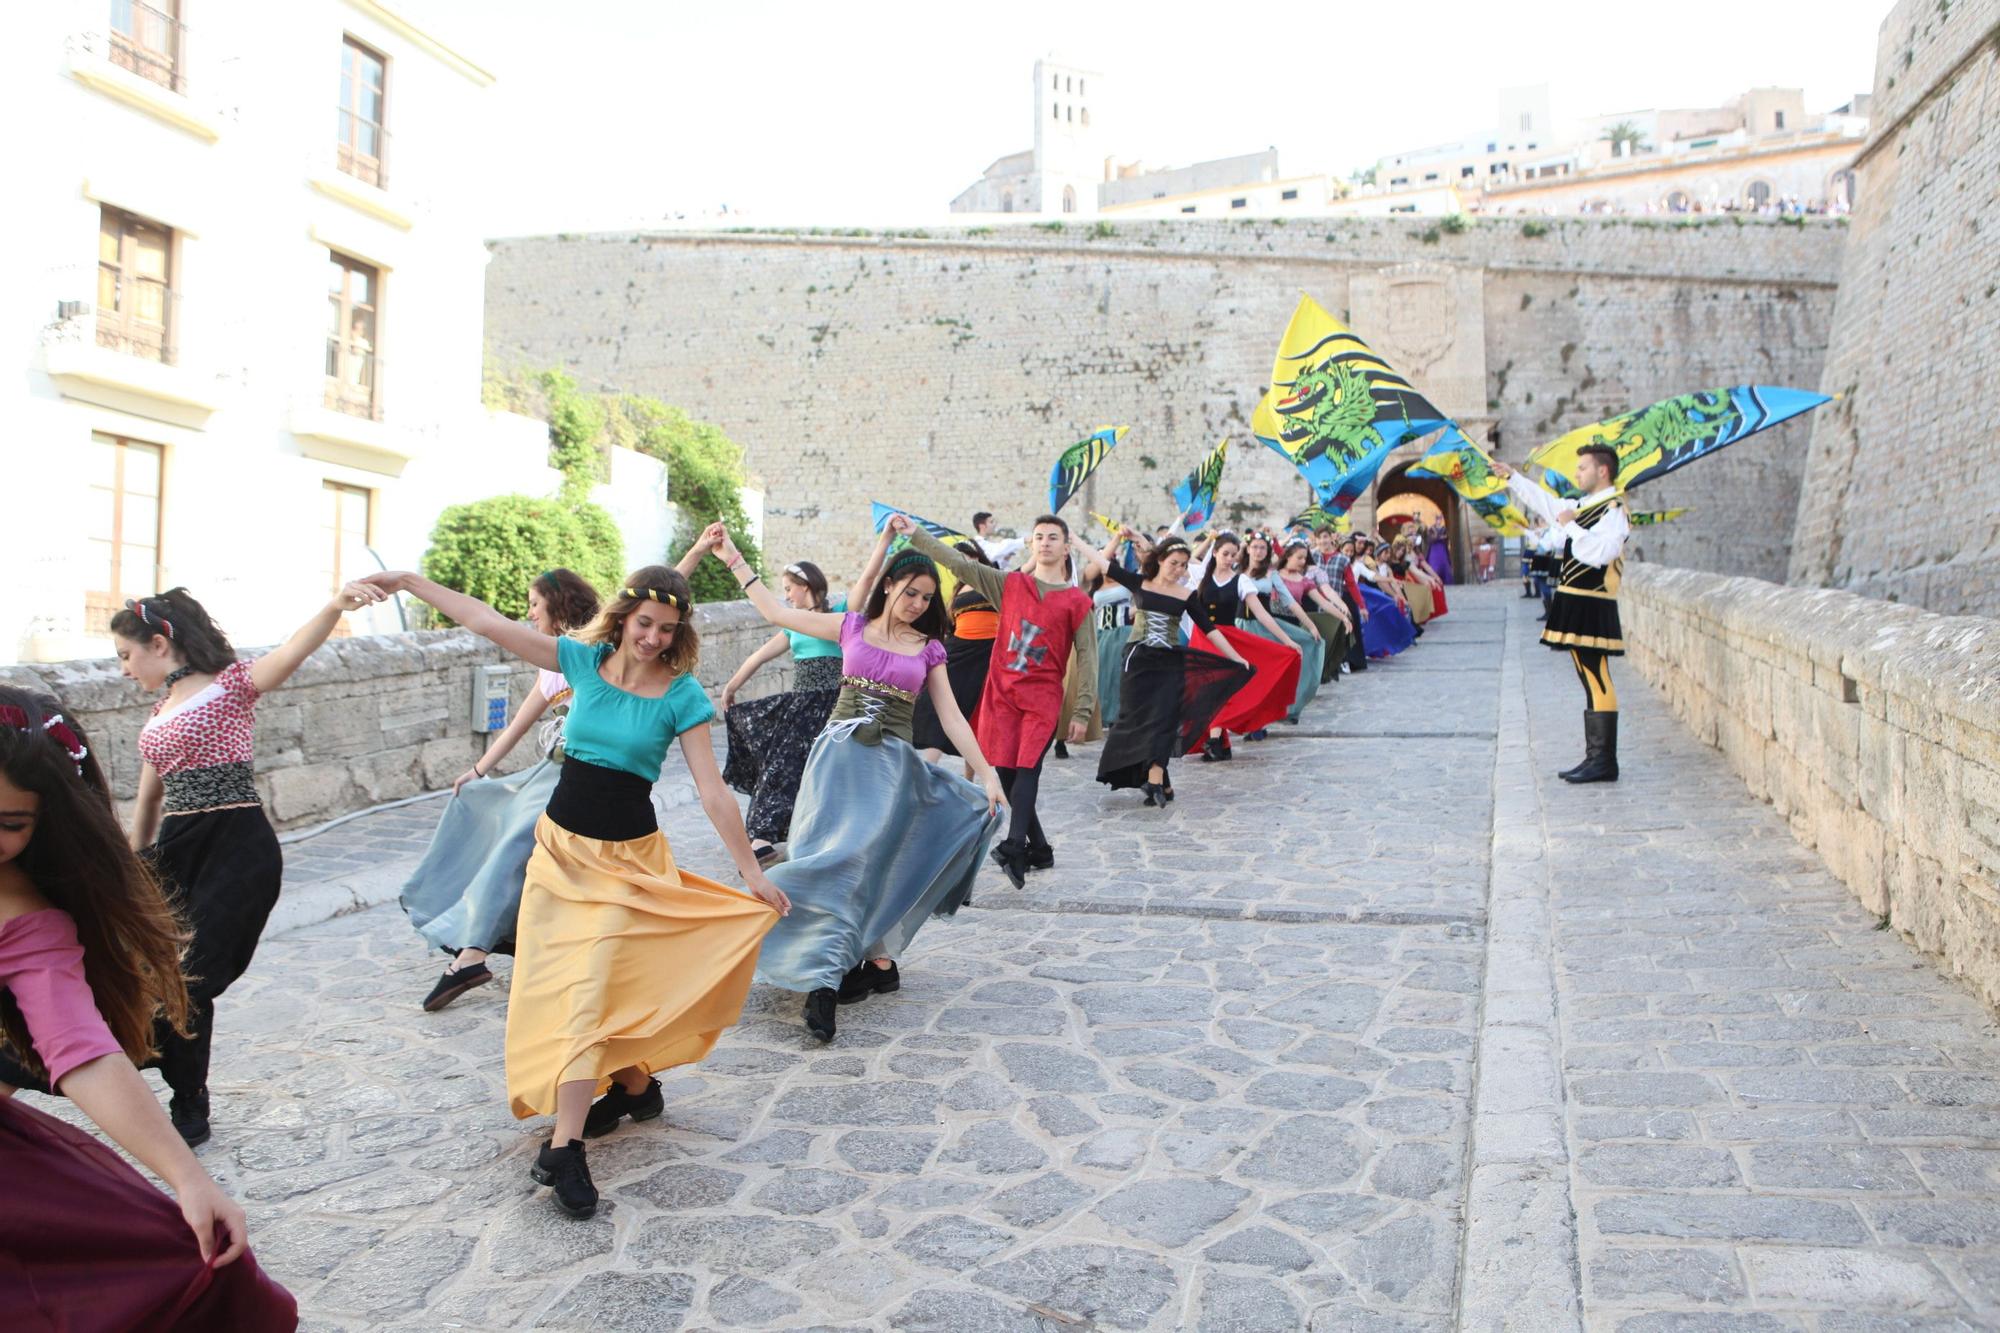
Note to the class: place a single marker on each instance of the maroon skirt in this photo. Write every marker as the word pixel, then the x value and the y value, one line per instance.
pixel 87 1244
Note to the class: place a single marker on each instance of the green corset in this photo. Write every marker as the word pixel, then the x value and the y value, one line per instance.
pixel 873 710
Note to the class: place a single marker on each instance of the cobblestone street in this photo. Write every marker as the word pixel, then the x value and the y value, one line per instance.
pixel 1380 1027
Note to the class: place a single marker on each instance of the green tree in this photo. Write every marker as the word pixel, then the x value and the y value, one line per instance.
pixel 576 434
pixel 1627 134
pixel 704 476
pixel 493 548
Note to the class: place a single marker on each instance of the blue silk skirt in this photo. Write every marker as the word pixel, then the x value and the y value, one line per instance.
pixel 466 892
pixel 1388 630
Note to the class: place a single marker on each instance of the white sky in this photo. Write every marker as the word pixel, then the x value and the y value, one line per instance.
pixel 613 112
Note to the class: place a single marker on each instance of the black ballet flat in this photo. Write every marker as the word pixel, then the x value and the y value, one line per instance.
pixel 1041 858
pixel 1062 750
pixel 1156 795
pixel 819 1012
pixel 1167 790
pixel 455 983
pixel 1013 863
pixel 768 857
pixel 190 1117
pixel 866 980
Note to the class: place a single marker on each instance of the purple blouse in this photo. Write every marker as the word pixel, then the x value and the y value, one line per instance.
pixel 41 965
pixel 899 671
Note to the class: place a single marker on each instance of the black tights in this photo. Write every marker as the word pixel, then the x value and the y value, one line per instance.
pixel 1593 668
pixel 1022 785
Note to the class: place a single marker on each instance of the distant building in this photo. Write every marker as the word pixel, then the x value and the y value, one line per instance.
pixel 1062 171
pixel 1524 130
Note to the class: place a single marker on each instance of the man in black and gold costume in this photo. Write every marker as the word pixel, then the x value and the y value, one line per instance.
pixel 1583 617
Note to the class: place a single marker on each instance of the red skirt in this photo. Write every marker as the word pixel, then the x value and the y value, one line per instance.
pixel 1267 698
pixel 1437 600
pixel 87 1244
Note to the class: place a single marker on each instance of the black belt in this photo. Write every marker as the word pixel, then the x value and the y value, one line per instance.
pixel 608 804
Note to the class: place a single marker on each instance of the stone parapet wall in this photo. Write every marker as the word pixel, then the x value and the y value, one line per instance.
pixel 367 720
pixel 1873 727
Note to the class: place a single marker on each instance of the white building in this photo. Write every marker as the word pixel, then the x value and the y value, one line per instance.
pixel 247 312
pixel 1061 172
pixel 1523 134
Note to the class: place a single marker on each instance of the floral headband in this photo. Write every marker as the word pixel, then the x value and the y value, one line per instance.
pixel 53 725
pixel 661 595
pixel 137 606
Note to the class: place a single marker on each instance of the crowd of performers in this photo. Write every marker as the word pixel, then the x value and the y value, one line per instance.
pixel 114 946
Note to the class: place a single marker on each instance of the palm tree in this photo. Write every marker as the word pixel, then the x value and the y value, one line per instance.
pixel 1627 134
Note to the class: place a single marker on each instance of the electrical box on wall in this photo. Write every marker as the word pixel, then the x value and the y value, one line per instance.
pixel 489 698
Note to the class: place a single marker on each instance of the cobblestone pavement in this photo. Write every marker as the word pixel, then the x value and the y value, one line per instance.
pixel 1254 1063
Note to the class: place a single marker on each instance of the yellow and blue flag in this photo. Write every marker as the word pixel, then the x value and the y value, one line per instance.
pixel 1662 436
pixel 1075 464
pixel 1650 517
pixel 1335 408
pixel 1194 497
pixel 1469 469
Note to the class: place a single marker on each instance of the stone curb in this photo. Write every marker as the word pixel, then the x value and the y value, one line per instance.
pixel 1519 1267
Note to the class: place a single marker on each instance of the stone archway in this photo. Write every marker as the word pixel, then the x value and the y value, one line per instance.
pixel 1398 492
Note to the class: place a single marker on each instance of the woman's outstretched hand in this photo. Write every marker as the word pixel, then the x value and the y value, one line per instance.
pixel 764 891
pixel 996 795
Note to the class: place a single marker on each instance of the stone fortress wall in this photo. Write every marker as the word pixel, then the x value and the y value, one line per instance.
pixel 1903 497
pixel 943 371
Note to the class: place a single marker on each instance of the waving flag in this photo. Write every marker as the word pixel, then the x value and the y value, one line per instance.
pixel 1335 408
pixel 1195 496
pixel 881 514
pixel 1673 432
pixel 1647 518
pixel 1469 469
pixel 1316 517
pixel 1075 464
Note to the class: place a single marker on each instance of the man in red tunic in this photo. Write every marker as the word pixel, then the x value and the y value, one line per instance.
pixel 1044 619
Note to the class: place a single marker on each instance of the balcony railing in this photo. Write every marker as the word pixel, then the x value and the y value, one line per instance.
pixel 361 149
pixel 353 379
pixel 150 43
pixel 139 320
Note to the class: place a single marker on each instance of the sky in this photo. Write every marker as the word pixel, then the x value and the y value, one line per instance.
pixel 611 113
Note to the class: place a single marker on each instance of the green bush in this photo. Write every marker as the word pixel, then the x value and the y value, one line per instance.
pixel 493 548
pixel 704 477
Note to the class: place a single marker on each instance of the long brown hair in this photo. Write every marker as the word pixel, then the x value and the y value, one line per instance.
pixel 654 583
pixel 79 860
pixel 185 623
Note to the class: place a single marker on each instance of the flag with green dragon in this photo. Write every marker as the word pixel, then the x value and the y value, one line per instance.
pixel 1669 434
pixel 1194 497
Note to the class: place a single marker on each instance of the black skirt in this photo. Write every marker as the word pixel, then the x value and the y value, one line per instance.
pixel 1580 621
pixel 1166 699
pixel 965 664
pixel 769 740
pixel 222 870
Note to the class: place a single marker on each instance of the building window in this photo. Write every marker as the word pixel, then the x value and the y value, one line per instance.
pixel 1497 169
pixel 1430 175
pixel 1055 111
pixel 1239 203
pixel 1068 86
pixel 1288 194
pixel 151 41
pixel 1055 83
pixel 1187 208
pixel 1492 147
pixel 353 368
pixel 1759 193
pixel 1527 120
pixel 362 143
pixel 1069 199
pixel 347 533
pixel 122 528
pixel 1081 88
pixel 1007 202
pixel 1395 181
pixel 1779 116
pixel 1071 116
pixel 1086 117
pixel 135 295
pixel 1465 173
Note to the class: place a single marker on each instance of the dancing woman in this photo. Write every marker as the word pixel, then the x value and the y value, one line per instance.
pixel 1112 607
pixel 1288 619
pixel 881 840
pixel 465 895
pixel 625 963
pixel 1170 691
pixel 1415 593
pixel 198 818
pixel 1385 628
pixel 1228 596
pixel 89 955
pixel 1311 591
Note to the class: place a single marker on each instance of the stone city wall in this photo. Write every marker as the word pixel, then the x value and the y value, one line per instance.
pixel 367 720
pixel 1873 727
pixel 944 370
pixel 1902 495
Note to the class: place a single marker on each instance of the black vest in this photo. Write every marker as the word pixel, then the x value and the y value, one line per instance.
pixel 1592 580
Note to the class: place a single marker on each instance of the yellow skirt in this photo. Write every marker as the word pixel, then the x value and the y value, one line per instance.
pixel 1418 595
pixel 621 959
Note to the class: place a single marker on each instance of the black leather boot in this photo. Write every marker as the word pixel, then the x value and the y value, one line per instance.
pixel 1600 763
pixel 1578 767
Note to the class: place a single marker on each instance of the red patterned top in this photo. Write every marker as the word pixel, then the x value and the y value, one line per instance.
pixel 203 749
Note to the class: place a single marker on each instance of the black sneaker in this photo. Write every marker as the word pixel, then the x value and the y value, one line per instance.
pixel 190 1117
pixel 615 1105
pixel 1042 858
pixel 454 983
pixel 868 979
pixel 819 1012
pixel 565 1170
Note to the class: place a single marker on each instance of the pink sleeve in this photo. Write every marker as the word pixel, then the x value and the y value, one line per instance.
pixel 236 682
pixel 933 654
pixel 41 965
pixel 852 626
